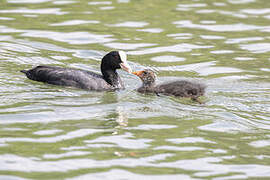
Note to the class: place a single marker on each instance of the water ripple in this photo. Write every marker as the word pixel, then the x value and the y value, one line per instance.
pixel 123 141
pixel 128 46
pixel 51 131
pixel 184 47
pixel 28 1
pixel 69 135
pixel 55 11
pixel 124 174
pixel 130 24
pixel 74 22
pixel 70 37
pixel 257 47
pixel 219 28
pixel 100 3
pixel 189 140
pixel 241 1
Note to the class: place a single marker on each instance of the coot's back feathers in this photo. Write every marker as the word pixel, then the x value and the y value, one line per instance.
pixel 68 77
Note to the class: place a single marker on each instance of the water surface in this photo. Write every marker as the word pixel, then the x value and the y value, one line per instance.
pixel 50 132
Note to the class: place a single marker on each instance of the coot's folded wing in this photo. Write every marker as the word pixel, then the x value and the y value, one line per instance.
pixel 67 77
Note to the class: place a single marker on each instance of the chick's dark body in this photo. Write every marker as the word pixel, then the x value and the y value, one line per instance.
pixel 180 88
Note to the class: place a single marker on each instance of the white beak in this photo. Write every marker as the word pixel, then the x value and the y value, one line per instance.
pixel 126 67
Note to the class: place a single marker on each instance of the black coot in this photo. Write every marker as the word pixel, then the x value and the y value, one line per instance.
pixel 181 88
pixel 109 80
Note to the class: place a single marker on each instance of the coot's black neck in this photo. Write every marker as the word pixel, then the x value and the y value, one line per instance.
pixel 109 72
pixel 111 77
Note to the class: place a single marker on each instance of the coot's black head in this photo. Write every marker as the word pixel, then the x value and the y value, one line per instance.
pixel 147 76
pixel 115 60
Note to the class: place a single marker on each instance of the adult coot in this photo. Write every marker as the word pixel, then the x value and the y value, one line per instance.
pixel 181 88
pixel 109 80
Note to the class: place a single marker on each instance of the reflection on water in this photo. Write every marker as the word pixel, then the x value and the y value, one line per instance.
pixel 219 28
pixel 70 37
pixel 131 24
pixel 54 132
pixel 74 22
pixel 55 11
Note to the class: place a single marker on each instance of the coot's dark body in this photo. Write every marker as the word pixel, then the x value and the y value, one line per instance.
pixel 71 77
pixel 181 88
pixel 109 80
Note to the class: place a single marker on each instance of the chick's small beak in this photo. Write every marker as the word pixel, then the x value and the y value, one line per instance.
pixel 126 67
pixel 137 73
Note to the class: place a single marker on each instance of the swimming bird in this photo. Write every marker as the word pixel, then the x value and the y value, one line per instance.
pixel 107 81
pixel 180 88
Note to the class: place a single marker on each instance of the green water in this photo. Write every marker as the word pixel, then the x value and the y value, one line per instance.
pixel 50 132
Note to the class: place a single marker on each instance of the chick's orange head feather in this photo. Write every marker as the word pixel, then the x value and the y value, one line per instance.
pixel 137 73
